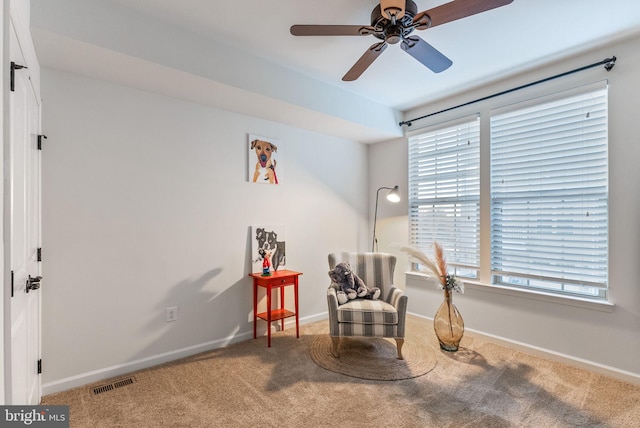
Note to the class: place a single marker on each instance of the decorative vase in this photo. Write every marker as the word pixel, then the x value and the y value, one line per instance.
pixel 448 324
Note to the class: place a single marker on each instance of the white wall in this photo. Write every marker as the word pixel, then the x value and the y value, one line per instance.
pixel 388 164
pixel 608 341
pixel 107 47
pixel 146 205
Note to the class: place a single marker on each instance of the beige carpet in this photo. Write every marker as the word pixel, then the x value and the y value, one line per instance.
pixel 374 358
pixel 249 385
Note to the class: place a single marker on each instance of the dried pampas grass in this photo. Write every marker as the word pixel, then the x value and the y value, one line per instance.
pixel 432 268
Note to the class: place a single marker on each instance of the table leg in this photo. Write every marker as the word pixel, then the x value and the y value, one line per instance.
pixel 269 317
pixel 295 296
pixel 255 306
pixel 282 306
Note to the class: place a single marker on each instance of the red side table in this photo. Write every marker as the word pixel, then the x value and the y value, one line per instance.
pixel 278 279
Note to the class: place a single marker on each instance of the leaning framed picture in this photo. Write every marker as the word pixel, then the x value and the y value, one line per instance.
pixel 268 249
pixel 264 160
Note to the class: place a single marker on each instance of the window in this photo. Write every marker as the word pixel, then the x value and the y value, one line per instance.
pixel 444 192
pixel 549 194
pixel 546 201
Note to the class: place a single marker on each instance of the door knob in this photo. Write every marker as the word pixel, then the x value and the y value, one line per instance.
pixel 33 283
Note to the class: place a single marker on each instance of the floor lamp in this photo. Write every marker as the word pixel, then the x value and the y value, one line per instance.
pixel 392 196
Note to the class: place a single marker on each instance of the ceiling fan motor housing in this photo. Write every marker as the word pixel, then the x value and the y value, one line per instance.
pixel 390 31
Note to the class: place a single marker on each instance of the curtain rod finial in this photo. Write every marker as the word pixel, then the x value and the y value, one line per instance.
pixel 610 63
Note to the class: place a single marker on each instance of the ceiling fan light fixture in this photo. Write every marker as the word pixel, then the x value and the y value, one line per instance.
pixel 393 8
pixel 393 35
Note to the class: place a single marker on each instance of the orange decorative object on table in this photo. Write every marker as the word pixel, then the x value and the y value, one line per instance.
pixel 278 279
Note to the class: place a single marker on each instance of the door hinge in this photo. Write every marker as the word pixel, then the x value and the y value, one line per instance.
pixel 11 283
pixel 15 67
pixel 39 254
pixel 40 137
pixel 40 366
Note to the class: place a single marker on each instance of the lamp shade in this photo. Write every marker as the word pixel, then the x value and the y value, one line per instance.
pixel 394 195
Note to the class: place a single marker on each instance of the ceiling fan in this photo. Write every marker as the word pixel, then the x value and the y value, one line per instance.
pixel 393 21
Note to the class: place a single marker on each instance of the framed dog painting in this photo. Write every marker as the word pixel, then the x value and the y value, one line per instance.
pixel 265 166
pixel 267 248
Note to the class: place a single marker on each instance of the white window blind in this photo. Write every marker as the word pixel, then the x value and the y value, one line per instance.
pixel 549 190
pixel 444 192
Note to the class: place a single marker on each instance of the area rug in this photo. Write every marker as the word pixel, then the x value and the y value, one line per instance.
pixel 374 358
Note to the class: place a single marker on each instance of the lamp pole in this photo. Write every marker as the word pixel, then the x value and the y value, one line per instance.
pixel 392 196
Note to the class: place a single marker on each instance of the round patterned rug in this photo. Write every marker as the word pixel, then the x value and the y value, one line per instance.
pixel 374 358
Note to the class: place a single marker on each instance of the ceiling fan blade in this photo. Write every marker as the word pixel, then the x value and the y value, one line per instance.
pixel 429 56
pixel 331 30
pixel 455 10
pixel 365 61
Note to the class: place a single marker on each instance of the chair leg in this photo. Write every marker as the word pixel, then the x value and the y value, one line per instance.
pixel 399 343
pixel 334 346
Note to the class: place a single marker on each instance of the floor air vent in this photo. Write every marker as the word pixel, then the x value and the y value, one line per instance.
pixel 116 384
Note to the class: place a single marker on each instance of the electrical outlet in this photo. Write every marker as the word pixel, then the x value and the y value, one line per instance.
pixel 171 313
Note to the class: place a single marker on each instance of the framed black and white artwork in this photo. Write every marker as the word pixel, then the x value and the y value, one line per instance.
pixel 268 248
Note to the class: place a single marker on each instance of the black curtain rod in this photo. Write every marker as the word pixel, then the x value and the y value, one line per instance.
pixel 608 65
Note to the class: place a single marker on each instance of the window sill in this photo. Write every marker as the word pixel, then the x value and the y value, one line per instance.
pixel 598 305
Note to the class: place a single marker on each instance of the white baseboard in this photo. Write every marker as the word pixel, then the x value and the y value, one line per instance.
pixel 591 366
pixel 154 360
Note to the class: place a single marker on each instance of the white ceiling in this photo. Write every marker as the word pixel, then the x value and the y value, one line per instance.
pixel 483 48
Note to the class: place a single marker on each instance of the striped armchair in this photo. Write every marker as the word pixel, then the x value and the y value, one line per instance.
pixel 384 317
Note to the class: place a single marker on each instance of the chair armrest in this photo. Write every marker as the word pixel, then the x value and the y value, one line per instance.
pixel 332 299
pixel 332 304
pixel 396 297
pixel 398 300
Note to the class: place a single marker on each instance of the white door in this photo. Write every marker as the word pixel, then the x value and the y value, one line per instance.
pixel 25 233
